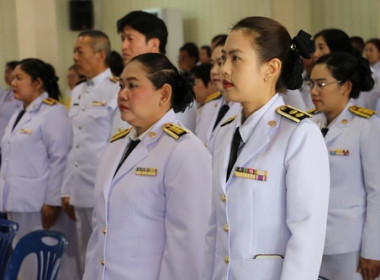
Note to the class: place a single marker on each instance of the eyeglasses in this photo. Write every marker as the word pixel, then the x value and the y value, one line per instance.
pixel 318 85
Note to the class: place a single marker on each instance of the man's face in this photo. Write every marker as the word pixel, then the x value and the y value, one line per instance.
pixel 86 60
pixel 133 43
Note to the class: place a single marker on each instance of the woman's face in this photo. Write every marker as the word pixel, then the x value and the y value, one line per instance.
pixel 330 98
pixel 321 48
pixel 371 53
pixel 24 89
pixel 140 104
pixel 243 74
pixel 216 70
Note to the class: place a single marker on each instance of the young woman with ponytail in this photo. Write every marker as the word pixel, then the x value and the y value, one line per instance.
pixel 352 133
pixel 270 164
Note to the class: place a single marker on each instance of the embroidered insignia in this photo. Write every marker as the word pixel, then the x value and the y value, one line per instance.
pixel 230 120
pixel 26 131
pixel 146 171
pixel 173 130
pixel 292 113
pixel 49 101
pixel 339 152
pixel 99 103
pixel 312 111
pixel 213 96
pixel 120 134
pixel 362 112
pixel 114 79
pixel 250 173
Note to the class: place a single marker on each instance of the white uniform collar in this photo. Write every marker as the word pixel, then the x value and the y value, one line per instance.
pixel 36 102
pixel 99 78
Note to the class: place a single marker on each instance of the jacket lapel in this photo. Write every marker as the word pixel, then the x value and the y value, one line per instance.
pixel 342 121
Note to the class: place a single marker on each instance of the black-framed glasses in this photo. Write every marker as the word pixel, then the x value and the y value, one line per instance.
pixel 318 85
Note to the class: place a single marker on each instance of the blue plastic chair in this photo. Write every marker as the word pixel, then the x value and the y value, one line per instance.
pixel 8 230
pixel 48 256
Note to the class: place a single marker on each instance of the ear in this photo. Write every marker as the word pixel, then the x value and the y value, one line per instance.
pixel 272 69
pixel 38 84
pixel 154 45
pixel 347 87
pixel 165 95
pixel 102 55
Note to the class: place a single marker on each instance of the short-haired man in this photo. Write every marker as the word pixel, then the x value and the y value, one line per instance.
pixel 95 117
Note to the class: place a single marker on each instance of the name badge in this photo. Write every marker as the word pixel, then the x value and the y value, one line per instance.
pixel 339 152
pixel 250 173
pixel 99 103
pixel 146 171
pixel 26 131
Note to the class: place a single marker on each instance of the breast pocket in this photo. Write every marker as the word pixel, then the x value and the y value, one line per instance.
pixel 98 113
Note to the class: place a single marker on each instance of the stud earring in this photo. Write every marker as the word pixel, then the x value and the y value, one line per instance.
pixel 265 79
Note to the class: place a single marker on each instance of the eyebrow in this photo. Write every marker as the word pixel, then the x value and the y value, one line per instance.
pixel 129 79
pixel 231 52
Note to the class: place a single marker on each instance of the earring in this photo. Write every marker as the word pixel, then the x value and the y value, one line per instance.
pixel 161 102
pixel 265 79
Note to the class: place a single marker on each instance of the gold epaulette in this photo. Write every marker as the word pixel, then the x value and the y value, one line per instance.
pixel 50 101
pixel 292 113
pixel 174 130
pixel 114 79
pixel 213 96
pixel 230 120
pixel 312 111
pixel 120 134
pixel 362 112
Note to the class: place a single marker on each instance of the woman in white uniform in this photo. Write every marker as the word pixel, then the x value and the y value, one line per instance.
pixel 352 249
pixel 269 207
pixel 34 149
pixel 151 203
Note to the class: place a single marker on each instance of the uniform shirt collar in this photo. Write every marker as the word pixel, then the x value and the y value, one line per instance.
pixel 100 78
pixel 36 102
pixel 249 125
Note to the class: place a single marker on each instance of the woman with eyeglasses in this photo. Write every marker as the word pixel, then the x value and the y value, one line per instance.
pixel 270 165
pixel 352 247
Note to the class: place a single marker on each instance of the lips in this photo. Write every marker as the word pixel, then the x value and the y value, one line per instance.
pixel 227 84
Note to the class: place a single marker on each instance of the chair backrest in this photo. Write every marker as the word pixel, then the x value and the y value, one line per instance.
pixel 8 230
pixel 48 255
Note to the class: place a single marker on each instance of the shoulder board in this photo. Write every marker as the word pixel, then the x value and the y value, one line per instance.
pixel 292 113
pixel 174 130
pixel 213 96
pixel 114 79
pixel 362 112
pixel 120 134
pixel 50 101
pixel 230 120
pixel 312 111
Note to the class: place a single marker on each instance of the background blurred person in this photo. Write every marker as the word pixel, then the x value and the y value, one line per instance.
pixel 204 54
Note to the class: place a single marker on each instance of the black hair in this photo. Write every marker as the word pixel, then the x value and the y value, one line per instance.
pixel 202 72
pixel 191 49
pixel 357 43
pixel 216 38
pixel 36 68
pixel 271 40
pixel 337 40
pixel 115 63
pixel 146 23
pixel 161 71
pixel 12 64
pixel 208 50
pixel 344 67
pixel 221 41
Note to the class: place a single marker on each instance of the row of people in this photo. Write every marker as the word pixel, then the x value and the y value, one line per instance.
pixel 272 150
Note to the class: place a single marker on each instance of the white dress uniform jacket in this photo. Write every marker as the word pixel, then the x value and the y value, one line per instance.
pixel 353 222
pixel 8 105
pixel 268 222
pixel 95 117
pixel 34 157
pixel 151 216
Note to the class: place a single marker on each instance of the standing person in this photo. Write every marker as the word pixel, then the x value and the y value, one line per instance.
pixel 372 53
pixel 353 228
pixel 269 208
pixel 73 78
pixel 153 185
pixel 94 117
pixel 8 104
pixel 188 57
pixel 142 32
pixel 204 54
pixel 35 145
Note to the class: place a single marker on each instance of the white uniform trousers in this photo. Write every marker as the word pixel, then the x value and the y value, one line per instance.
pixel 84 230
pixel 70 267
pixel 341 267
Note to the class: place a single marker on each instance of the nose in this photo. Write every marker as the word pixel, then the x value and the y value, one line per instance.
pixel 225 68
pixel 123 94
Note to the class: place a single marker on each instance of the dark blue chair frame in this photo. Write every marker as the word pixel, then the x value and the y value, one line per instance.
pixel 8 230
pixel 48 256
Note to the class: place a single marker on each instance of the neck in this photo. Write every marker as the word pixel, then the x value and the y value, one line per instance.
pixel 332 115
pixel 251 107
